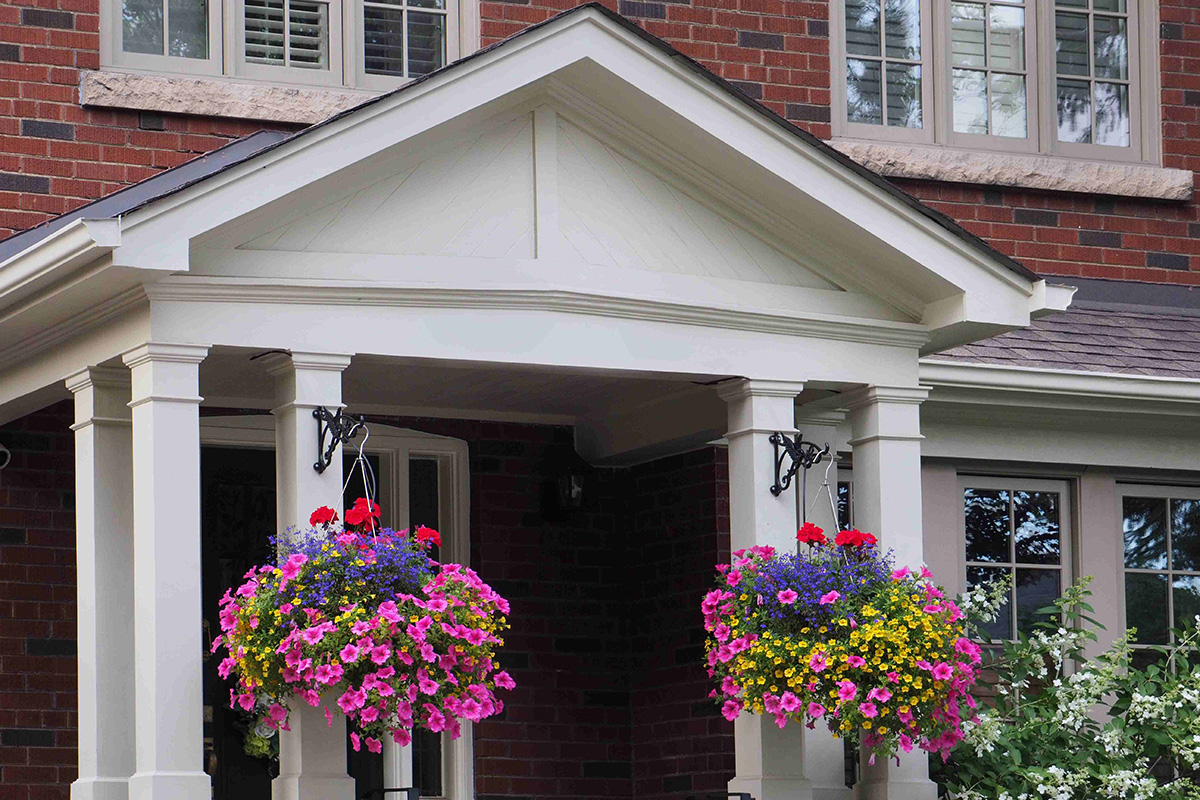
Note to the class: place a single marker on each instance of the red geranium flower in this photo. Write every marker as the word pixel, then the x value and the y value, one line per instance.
pixel 810 533
pixel 424 534
pixel 855 538
pixel 364 514
pixel 323 516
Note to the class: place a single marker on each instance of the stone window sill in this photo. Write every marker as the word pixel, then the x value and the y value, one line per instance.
pixel 215 97
pixel 1022 171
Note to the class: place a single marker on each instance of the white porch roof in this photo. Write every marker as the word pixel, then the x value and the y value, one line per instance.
pixel 579 197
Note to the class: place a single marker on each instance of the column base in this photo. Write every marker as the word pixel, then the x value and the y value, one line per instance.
pixel 312 787
pixel 898 790
pixel 773 788
pixel 170 786
pixel 828 793
pixel 100 789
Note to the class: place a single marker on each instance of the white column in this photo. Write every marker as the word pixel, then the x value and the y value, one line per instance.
pixel 886 436
pixel 769 762
pixel 824 754
pixel 168 695
pixel 104 558
pixel 312 755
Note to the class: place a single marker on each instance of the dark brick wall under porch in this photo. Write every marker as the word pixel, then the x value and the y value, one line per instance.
pixel 605 644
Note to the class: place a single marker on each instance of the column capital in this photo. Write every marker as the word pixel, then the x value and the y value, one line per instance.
pixel 746 387
pixel 867 395
pixel 88 377
pixel 825 417
pixel 165 352
pixel 283 362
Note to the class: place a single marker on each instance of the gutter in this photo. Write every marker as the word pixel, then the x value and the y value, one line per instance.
pixel 997 378
pixel 57 256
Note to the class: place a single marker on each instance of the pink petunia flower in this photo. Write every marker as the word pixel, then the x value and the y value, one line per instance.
pixel 894 677
pixel 771 704
pixel 355 741
pixel 847 691
pixel 829 598
pixel 816 710
pixel 906 743
pixel 855 661
pixel 731 709
pixel 901 573
pixel 789 702
pixel 787 596
pixel 882 695
pixel 733 578
pixel 374 745
pixel 818 663
pixel 349 653
pixel 943 671
pixel 868 710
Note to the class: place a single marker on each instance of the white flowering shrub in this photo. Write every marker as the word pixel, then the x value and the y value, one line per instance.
pixel 1065 727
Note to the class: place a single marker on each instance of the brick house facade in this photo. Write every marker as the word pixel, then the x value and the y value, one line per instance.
pixel 561 737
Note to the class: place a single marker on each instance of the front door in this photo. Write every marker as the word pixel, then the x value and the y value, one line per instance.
pixel 237 520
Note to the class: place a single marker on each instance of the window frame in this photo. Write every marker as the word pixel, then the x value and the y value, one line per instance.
pixel 357 55
pixel 1145 113
pixel 1066 561
pixel 1153 491
pixel 112 51
pixel 335 76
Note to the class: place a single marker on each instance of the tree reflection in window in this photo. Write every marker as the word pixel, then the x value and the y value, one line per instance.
pixel 1162 565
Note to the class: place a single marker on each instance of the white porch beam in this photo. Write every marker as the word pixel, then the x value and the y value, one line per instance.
pixel 104 554
pixel 312 755
pixel 167 617
pixel 769 762
pixel 824 754
pixel 886 436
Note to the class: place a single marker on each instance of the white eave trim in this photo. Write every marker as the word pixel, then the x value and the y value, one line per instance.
pixel 999 379
pixel 1050 297
pixel 57 256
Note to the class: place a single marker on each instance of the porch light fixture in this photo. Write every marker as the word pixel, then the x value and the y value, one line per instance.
pixel 799 452
pixel 339 427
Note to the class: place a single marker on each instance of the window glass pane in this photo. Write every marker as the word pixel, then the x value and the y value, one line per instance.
pixel 970 103
pixel 426 42
pixel 383 40
pixel 427 762
pixel 1112 47
pixel 1112 114
pixel 902 29
pixel 966 34
pixel 1107 5
pixel 1007 38
pixel 1146 606
pixel 308 34
pixel 1002 627
pixel 1143 658
pixel 844 517
pixel 1036 588
pixel 1186 598
pixel 1074 3
pixel 1145 529
pixel 864 101
pixel 1036 527
pixel 428 3
pixel 1185 535
pixel 188 24
pixel 987 524
pixel 904 95
pixel 862 27
pixel 142 27
pixel 264 31
pixel 1074 112
pixel 1071 45
pixel 1008 105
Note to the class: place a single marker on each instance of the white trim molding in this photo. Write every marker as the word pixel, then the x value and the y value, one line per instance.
pixel 1044 173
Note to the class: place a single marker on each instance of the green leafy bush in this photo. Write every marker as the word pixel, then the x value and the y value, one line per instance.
pixel 1066 727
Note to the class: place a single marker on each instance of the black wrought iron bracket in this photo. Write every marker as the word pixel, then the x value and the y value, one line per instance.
pixel 339 428
pixel 802 454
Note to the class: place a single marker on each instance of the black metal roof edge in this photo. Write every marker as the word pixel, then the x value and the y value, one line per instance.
pixel 1132 296
pixel 875 179
pixel 137 194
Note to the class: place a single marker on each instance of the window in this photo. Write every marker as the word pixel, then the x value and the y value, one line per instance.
pixel 362 44
pixel 1016 529
pixel 1056 77
pixel 1161 534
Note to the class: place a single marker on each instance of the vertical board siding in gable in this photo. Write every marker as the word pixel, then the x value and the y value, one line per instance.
pixel 469 199
pixel 614 212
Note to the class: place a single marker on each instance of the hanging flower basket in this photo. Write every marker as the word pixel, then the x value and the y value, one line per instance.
pixel 365 617
pixel 837 636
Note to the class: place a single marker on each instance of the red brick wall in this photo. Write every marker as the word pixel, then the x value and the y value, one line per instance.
pixel 37 608
pixel 678 528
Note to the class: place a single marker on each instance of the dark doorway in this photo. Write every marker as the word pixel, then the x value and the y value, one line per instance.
pixel 237 490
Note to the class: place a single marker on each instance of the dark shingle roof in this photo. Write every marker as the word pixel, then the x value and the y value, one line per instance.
pixel 1162 341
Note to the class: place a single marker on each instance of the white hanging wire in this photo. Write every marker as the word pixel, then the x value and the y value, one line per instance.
pixel 368 475
pixel 833 459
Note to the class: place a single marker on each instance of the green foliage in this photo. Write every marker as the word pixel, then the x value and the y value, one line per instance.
pixel 1064 726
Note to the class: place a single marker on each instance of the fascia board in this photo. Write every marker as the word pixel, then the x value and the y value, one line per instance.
pixel 584 37
pixel 992 384
pixel 56 257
